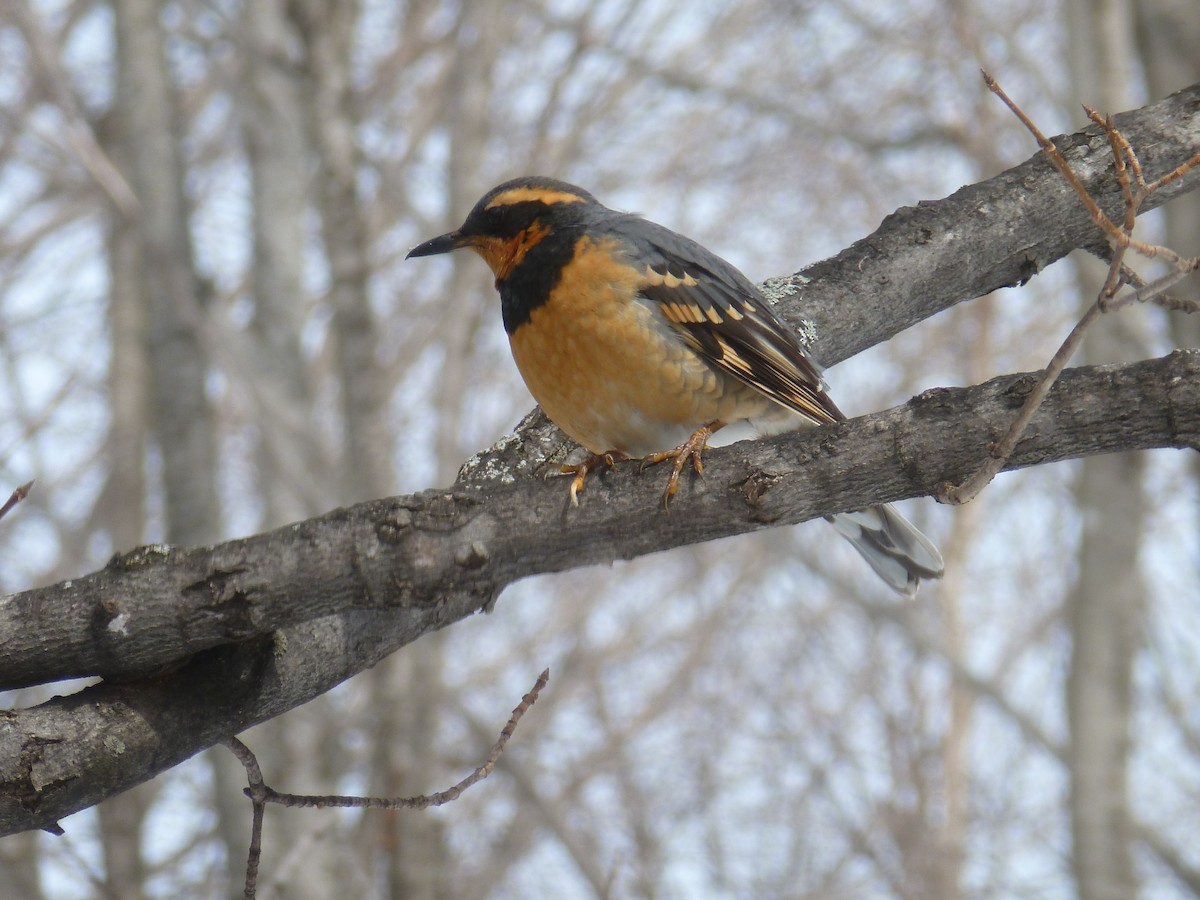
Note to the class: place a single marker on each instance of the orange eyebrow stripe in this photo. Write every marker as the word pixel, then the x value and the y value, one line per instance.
pixel 536 195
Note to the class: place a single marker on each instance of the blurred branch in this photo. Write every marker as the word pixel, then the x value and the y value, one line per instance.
pixel 989 688
pixel 78 134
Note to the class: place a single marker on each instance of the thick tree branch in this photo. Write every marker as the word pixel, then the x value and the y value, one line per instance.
pixel 235 634
pixel 442 554
pixel 360 582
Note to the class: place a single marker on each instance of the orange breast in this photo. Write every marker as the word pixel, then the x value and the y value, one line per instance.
pixel 607 369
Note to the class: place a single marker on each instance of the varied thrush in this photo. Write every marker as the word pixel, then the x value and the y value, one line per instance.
pixel 634 339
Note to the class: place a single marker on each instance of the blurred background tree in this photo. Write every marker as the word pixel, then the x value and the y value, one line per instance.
pixel 206 330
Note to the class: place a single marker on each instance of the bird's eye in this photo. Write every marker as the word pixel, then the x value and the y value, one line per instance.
pixel 509 220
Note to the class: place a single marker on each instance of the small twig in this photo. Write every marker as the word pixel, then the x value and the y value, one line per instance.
pixel 1122 151
pixel 16 497
pixel 1059 162
pixel 1134 191
pixel 423 801
pixel 1113 280
pixel 1002 450
pixel 1175 174
pixel 1056 158
pixel 261 794
pixel 257 792
pixel 1156 291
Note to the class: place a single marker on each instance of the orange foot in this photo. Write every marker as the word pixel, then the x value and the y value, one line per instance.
pixel 580 471
pixel 691 449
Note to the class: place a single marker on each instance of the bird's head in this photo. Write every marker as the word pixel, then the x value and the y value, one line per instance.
pixel 512 218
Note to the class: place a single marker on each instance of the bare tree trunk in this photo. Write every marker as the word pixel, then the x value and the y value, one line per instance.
pixel 1168 34
pixel 314 110
pixel 951 838
pixel 121 820
pixel 128 378
pixel 1106 605
pixel 179 410
pixel 466 103
pixel 418 865
pixel 125 499
pixel 1106 610
pixel 328 33
pixel 294 473
pixel 19 863
pixel 157 372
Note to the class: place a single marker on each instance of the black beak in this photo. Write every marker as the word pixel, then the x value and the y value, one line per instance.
pixel 441 244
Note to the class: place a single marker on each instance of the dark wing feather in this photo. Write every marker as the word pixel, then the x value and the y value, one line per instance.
pixel 725 318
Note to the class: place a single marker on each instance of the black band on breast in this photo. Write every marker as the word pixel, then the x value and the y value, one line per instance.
pixel 529 284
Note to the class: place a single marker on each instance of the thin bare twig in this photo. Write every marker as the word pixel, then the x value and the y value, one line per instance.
pixel 16 497
pixel 423 801
pixel 1056 158
pixel 261 794
pixel 1155 291
pixel 1134 192
pixel 258 799
pixel 1003 449
pixel 1175 174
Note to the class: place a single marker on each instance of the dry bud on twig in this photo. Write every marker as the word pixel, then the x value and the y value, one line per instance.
pixel 16 497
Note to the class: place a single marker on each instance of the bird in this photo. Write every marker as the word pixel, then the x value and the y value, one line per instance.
pixel 639 343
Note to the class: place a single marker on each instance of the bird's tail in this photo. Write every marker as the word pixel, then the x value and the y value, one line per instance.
pixel 892 546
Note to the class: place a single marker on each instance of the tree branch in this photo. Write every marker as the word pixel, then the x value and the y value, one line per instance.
pixel 221 638
pixel 357 583
pixel 985 236
pixel 439 555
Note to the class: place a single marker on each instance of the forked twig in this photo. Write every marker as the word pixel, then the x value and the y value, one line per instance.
pixel 261 794
pixel 1134 191
pixel 258 801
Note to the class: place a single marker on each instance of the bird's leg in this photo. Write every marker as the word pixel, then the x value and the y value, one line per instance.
pixel 691 449
pixel 580 471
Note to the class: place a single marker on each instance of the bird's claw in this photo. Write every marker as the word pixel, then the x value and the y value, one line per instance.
pixel 580 471
pixel 692 449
